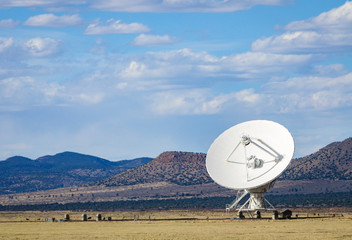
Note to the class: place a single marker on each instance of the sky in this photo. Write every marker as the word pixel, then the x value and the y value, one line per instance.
pixel 134 78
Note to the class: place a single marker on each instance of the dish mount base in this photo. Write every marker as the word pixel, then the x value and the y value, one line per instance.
pixel 255 203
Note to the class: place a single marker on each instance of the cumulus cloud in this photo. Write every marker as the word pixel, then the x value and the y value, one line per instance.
pixel 310 93
pixel 160 64
pixel 188 102
pixel 17 93
pixel 50 20
pixel 332 70
pixel 185 54
pixel 25 90
pixel 300 94
pixel 252 64
pixel 8 23
pixel 303 42
pixel 134 70
pixel 115 27
pixel 181 5
pixel 185 62
pixel 335 20
pixel 248 96
pixel 203 101
pixel 90 98
pixel 42 47
pixel 341 83
pixel 327 33
pixel 294 95
pixel 153 40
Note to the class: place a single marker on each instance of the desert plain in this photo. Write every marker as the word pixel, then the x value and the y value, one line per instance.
pixel 177 224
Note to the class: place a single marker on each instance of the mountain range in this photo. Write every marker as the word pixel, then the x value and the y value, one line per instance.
pixel 175 175
pixel 21 174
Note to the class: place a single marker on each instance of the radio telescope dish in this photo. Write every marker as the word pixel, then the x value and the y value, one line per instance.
pixel 250 156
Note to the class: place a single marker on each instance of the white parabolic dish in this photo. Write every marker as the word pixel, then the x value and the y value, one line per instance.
pixel 250 154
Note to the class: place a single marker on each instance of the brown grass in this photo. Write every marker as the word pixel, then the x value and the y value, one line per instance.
pixel 172 225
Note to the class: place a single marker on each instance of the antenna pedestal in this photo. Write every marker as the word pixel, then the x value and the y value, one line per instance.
pixel 256 200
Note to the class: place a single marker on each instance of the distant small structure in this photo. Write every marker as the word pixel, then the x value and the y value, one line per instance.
pixel 286 214
pixel 240 215
pixel 257 214
pixel 98 217
pixel 67 217
pixel 275 215
pixel 84 217
pixel 49 219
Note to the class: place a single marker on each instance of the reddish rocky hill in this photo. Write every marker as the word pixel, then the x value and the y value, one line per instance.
pixel 333 162
pixel 181 168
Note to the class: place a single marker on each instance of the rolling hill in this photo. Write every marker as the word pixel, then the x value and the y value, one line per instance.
pixel 20 174
pixel 333 162
pixel 181 168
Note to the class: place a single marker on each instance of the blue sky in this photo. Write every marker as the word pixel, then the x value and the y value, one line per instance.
pixel 125 79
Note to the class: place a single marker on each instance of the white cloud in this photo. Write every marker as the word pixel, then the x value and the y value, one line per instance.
pixel 17 93
pixel 50 20
pixel 27 91
pixel 335 20
pixel 92 98
pixel 305 42
pixel 256 63
pixel 184 62
pixel 204 101
pixel 115 27
pixel 181 5
pixel 313 83
pixel 5 43
pixel 188 102
pixel 332 70
pixel 185 55
pixel 42 47
pixel 8 23
pixel 295 95
pixel 310 93
pixel 153 40
pixel 330 32
pixel 134 70
pixel 247 96
pixel 168 65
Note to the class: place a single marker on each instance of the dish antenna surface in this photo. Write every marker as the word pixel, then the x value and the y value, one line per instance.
pixel 249 157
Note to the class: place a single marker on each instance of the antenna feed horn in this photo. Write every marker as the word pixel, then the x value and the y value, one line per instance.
pixel 254 162
pixel 245 140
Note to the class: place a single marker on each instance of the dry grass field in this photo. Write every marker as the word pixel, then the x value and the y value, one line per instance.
pixel 207 224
